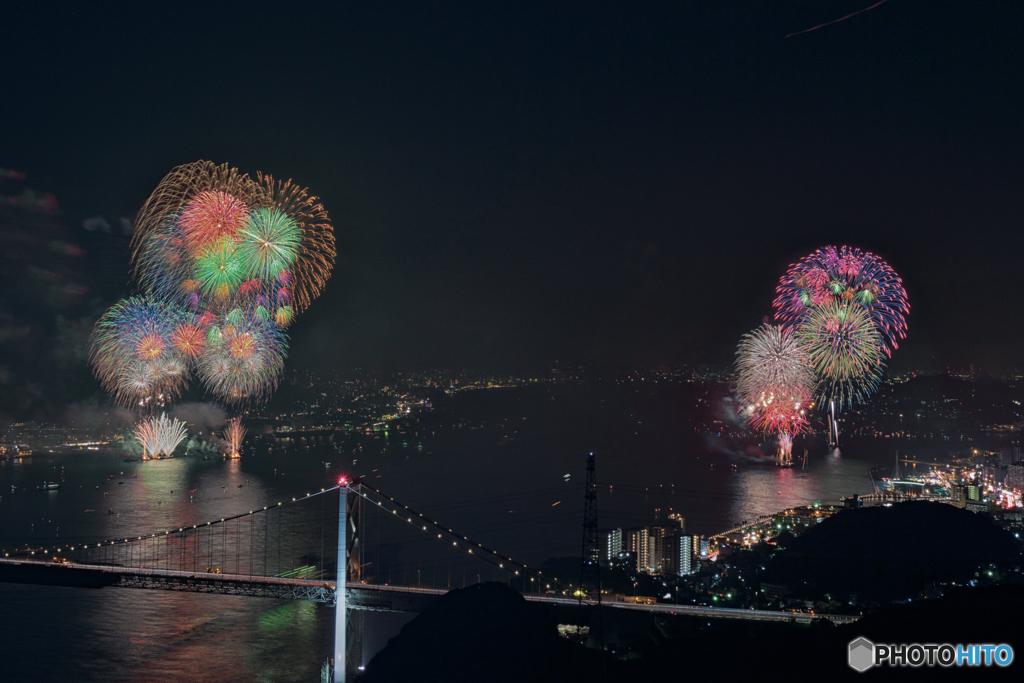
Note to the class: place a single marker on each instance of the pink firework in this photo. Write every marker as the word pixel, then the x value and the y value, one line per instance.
pixel 845 274
pixel 212 216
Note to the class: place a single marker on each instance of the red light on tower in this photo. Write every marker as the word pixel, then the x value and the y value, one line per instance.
pixel 343 481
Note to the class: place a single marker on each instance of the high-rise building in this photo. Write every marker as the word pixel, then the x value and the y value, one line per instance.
pixel 685 565
pixel 664 550
pixel 670 558
pixel 656 560
pixel 1015 477
pixel 962 494
pixel 638 542
pixel 612 544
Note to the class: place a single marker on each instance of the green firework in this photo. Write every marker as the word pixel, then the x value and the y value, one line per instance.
pixel 270 243
pixel 219 268
pixel 845 348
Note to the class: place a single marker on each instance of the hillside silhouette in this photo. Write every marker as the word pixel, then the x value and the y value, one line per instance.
pixel 884 554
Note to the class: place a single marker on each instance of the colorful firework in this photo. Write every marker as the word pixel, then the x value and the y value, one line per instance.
pixel 774 381
pixel 284 315
pixel 159 436
pixel 846 351
pixel 180 187
pixel 245 360
pixel 234 435
pixel 313 263
pixel 134 352
pixel 235 260
pixel 849 275
pixel 163 263
pixel 208 235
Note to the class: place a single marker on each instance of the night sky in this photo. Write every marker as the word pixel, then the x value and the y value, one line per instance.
pixel 602 183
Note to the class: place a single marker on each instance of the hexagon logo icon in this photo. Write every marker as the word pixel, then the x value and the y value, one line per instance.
pixel 861 654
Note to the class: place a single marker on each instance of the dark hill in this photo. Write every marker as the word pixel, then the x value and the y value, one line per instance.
pixel 487 632
pixel 732 649
pixel 883 554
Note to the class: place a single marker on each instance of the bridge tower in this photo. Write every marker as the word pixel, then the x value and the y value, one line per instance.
pixel 348 642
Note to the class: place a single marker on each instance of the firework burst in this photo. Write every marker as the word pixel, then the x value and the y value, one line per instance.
pixel 313 262
pixel 163 263
pixel 219 270
pixel 234 435
pixel 133 351
pixel 188 339
pixel 159 436
pixel 848 275
pixel 774 381
pixel 244 361
pixel 270 243
pixel 177 191
pixel 231 261
pixel 212 216
pixel 846 351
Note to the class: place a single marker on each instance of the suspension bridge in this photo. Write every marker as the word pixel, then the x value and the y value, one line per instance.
pixel 298 549
pixel 291 550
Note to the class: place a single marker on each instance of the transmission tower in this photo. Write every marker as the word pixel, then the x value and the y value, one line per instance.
pixel 590 565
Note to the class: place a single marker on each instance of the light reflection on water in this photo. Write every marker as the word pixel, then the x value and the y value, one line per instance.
pixel 512 497
pixel 764 490
pixel 133 635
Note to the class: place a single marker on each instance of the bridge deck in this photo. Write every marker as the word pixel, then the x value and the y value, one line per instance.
pixel 374 597
pixel 70 573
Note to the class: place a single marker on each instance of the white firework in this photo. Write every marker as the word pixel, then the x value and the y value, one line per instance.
pixel 159 436
pixel 234 434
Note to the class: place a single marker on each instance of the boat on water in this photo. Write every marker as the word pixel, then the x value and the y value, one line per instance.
pixel 131 459
pixel 51 485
